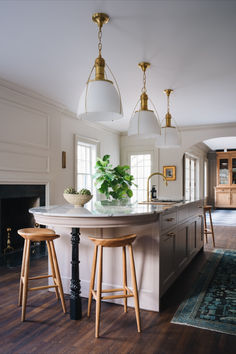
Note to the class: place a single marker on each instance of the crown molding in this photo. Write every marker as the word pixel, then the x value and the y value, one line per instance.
pixel 31 94
pixel 199 127
pixel 25 92
pixel 207 126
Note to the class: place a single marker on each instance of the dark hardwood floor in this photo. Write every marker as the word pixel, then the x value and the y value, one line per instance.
pixel 48 330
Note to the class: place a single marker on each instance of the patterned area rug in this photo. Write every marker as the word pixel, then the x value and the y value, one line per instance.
pixel 212 304
pixel 223 217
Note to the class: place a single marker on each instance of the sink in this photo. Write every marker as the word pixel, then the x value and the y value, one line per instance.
pixel 159 202
pixel 162 201
pixel 168 200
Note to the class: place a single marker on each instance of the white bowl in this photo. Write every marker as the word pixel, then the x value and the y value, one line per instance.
pixel 78 200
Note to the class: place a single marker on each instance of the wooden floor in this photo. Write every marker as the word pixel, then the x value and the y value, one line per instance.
pixel 48 330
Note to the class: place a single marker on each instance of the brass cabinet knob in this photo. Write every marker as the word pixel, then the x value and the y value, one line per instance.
pixel 170 219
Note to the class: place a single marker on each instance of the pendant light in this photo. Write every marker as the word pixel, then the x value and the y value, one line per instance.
pixel 100 100
pixel 170 136
pixel 144 123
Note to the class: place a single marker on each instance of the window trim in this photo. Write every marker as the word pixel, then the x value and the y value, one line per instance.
pixel 141 152
pixel 196 174
pixel 86 140
pixel 205 183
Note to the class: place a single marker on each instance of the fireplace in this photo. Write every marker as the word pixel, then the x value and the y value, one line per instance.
pixel 15 201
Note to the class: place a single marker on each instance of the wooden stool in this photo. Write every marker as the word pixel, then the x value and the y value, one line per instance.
pixel 207 208
pixel 113 242
pixel 37 234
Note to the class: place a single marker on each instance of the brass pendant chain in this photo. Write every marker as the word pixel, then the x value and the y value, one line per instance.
pixel 100 41
pixel 144 89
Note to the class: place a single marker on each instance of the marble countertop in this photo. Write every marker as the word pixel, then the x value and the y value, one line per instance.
pixel 96 209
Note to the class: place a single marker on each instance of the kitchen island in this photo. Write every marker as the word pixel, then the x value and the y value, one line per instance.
pixel 168 237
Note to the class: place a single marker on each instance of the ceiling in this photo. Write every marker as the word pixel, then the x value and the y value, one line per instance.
pixel 50 47
pixel 221 143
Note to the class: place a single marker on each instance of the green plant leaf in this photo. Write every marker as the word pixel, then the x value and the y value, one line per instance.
pixel 129 193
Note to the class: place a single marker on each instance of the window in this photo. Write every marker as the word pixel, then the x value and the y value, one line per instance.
pixel 190 173
pixel 140 168
pixel 205 179
pixel 86 155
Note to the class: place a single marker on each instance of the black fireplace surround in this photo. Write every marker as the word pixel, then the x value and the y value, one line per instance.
pixel 15 201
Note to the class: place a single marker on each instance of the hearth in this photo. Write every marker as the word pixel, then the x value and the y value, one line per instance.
pixel 15 201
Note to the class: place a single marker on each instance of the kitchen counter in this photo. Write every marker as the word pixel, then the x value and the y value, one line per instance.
pixel 168 237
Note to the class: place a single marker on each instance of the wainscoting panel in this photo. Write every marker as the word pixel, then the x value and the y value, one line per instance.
pixel 13 161
pixel 23 125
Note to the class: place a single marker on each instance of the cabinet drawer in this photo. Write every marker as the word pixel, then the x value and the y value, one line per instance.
pixel 168 220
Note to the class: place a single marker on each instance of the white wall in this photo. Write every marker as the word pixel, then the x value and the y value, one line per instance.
pixel 191 139
pixel 33 133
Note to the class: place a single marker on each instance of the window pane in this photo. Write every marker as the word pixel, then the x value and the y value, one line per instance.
pixel 190 178
pixel 140 168
pixel 86 160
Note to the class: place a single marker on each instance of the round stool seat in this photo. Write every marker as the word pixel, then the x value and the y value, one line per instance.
pixel 207 207
pixel 38 234
pixel 114 242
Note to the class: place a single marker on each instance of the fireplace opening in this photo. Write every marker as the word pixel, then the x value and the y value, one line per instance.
pixel 15 202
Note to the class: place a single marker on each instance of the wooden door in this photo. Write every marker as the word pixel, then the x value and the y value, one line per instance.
pixel 222 198
pixel 233 198
pixel 181 250
pixel 167 258
pixel 192 244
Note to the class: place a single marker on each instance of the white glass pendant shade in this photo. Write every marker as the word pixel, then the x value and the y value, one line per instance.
pixel 170 138
pixel 144 125
pixel 100 101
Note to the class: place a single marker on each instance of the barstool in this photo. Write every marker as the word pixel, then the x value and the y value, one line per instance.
pixel 207 208
pixel 113 242
pixel 36 235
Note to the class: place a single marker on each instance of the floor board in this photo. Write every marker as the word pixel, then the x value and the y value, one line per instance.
pixel 48 330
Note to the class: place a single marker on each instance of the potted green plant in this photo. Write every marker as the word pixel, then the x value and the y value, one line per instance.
pixel 114 182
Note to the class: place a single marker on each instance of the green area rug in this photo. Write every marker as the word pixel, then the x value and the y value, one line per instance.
pixel 212 304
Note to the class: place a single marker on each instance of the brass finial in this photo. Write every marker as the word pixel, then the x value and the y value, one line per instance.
pixel 168 92
pixel 144 65
pixel 100 19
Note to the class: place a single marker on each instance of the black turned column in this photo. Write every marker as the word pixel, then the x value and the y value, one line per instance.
pixel 75 299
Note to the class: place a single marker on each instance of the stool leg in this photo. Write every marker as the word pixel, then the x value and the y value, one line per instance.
pixel 99 290
pixel 21 275
pixel 205 225
pixel 212 230
pixel 124 277
pixel 25 279
pixel 134 284
pixel 52 269
pixel 92 278
pixel 58 277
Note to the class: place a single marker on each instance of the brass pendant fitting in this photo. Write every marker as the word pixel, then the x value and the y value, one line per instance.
pixel 168 92
pixel 144 65
pixel 99 68
pixel 168 120
pixel 100 19
pixel 144 101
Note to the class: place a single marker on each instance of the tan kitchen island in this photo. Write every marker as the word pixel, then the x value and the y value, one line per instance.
pixel 168 237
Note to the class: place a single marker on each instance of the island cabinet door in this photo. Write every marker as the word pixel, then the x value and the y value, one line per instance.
pixel 199 232
pixel 167 262
pixel 191 237
pixel 181 249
